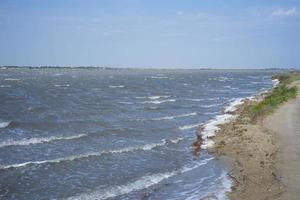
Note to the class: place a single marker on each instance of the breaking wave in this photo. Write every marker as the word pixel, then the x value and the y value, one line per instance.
pixel 4 124
pixel 175 116
pixel 116 86
pixel 65 85
pixel 12 79
pixel 153 97
pixel 161 101
pixel 190 126
pixel 5 86
pixel 140 184
pixel 145 147
pixel 211 105
pixel 30 141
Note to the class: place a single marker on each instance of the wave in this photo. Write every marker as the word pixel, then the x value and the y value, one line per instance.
pixel 5 86
pixel 152 108
pixel 160 77
pixel 175 116
pixel 206 99
pixel 229 87
pixel 197 100
pixel 65 85
pixel 4 124
pixel 140 184
pixel 158 97
pixel 161 101
pixel 211 105
pixel 212 126
pixel 145 147
pixel 222 191
pixel 12 79
pixel 125 102
pixel 30 141
pixel 275 82
pixel 211 113
pixel 153 97
pixel 116 86
pixel 233 105
pixel 187 127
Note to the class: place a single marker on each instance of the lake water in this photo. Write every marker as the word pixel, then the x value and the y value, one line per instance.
pixel 114 134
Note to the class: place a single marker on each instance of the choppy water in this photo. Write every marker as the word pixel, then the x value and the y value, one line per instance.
pixel 119 134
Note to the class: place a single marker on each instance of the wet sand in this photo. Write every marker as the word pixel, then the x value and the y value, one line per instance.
pixel 264 156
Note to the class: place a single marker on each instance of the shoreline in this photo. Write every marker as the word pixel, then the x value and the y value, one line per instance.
pixel 213 137
pixel 248 148
pixel 250 152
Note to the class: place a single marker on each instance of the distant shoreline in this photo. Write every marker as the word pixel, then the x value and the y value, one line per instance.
pixel 137 68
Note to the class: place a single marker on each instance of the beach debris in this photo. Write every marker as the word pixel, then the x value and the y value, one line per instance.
pixel 198 143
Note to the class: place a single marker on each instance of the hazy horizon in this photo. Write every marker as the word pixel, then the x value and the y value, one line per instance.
pixel 151 34
pixel 151 67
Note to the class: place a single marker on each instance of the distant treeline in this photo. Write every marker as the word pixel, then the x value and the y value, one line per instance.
pixel 124 68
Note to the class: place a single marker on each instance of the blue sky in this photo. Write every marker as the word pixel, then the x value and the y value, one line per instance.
pixel 151 33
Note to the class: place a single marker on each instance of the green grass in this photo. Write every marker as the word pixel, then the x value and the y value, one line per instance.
pixel 278 96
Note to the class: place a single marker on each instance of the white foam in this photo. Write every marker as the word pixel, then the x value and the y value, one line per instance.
pixel 158 97
pixel 153 97
pixel 229 87
pixel 4 124
pixel 145 147
pixel 140 184
pixel 210 128
pixel 11 79
pixel 125 102
pixel 275 82
pixel 233 105
pixel 223 79
pixel 5 86
pixel 221 194
pixel 211 113
pixel 190 126
pixel 160 101
pixel 175 116
pixel 65 85
pixel 159 77
pixel 197 100
pixel 116 86
pixel 30 141
pixel 211 105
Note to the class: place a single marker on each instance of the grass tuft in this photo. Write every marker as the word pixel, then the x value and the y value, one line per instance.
pixel 278 96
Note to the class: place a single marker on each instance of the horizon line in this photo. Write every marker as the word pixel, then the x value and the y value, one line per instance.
pixel 161 68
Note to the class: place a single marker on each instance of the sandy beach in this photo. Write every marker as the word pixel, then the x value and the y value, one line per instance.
pixel 263 155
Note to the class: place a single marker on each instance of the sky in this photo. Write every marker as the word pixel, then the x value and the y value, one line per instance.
pixel 151 33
